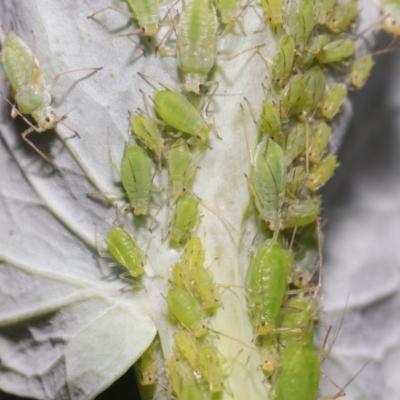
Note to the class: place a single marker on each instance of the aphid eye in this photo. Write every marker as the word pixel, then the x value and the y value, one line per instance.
pixel 47 119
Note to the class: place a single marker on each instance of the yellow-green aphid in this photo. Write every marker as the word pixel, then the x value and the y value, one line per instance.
pixel 181 276
pixel 283 61
pixel 191 391
pixel 197 42
pixel 321 172
pixel 274 11
pixel 314 80
pixel 336 51
pixel 28 83
pixel 125 250
pixel 146 130
pixel 136 177
pixel 187 310
pixel 314 46
pixel 301 212
pixel 291 94
pixel 270 120
pixel 184 219
pixel 179 374
pixel 295 181
pixel 193 255
pixel 269 354
pixel 209 364
pixel 269 180
pixel 186 344
pixel 295 142
pixel 205 286
pixel 360 70
pixel 179 168
pixel 298 374
pixel 322 9
pixel 333 99
pixel 318 141
pixel 149 364
pixel 302 24
pixel 267 279
pixel 391 16
pixel 179 113
pixel 227 10
pixel 298 318
pixel 341 16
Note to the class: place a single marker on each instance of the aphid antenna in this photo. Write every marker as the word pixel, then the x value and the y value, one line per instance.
pixel 114 8
pixel 161 48
pixel 149 80
pixel 257 47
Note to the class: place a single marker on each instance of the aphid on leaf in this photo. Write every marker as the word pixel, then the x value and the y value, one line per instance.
pixel 302 23
pixel 391 17
pixel 321 172
pixel 149 364
pixel 187 345
pixel 318 141
pixel 313 47
pixel 360 70
pixel 283 61
pixel 336 51
pixel 295 142
pixel 274 11
pixel 301 212
pixel 193 255
pixel 270 120
pixel 184 219
pixel 209 364
pixel 295 181
pixel 322 10
pixel 291 95
pixel 206 288
pixel 341 16
pixel 333 100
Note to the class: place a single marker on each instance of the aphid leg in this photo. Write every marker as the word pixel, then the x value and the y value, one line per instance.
pixel 114 8
pixel 161 47
pixel 149 80
pixel 25 138
pixel 58 76
pixel 256 47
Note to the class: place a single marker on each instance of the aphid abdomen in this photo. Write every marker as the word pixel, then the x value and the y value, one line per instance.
pixel 267 279
pixel 184 218
pixel 211 368
pixel 146 12
pixel 206 288
pixel 136 177
pixel 321 172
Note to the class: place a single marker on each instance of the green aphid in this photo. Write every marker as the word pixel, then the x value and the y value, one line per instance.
pixel 322 10
pixel 149 364
pixel 360 70
pixel 193 255
pixel 391 17
pixel 295 142
pixel 313 47
pixel 187 310
pixel 336 51
pixel 283 61
pixel 318 142
pixel 146 130
pixel 321 172
pixel 295 180
pixel 180 375
pixel 341 16
pixel 197 42
pixel 309 99
pixel 191 391
pixel 124 249
pixel 184 219
pixel 136 177
pixel 181 276
pixel 333 100
pixel 186 344
pixel 268 181
pixel 297 323
pixel 302 24
pixel 301 212
pixel 270 120
pixel 206 288
pixel 178 112
pixel 209 364
pixel 227 10
pixel 298 375
pixel 291 95
pixel 274 11
pixel 179 160
pixel 269 354
pixel 267 279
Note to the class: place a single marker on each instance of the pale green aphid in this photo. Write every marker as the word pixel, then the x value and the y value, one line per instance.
pixel 124 249
pixel 336 51
pixel 274 11
pixel 180 276
pixel 184 219
pixel 147 132
pixel 391 16
pixel 144 11
pixel 193 255
pixel 136 177
pixel 360 70
pixel 297 323
pixel 267 279
pixel 283 61
pixel 269 180
pixel 227 10
pixel 270 120
pixel 295 142
pixel 205 286
pixel 210 367
pixel 187 310
pixel 322 9
pixel 178 112
pixel 302 24
pixel 321 172
pixel 179 375
pixel 295 181
pixel 298 375
pixel 314 80
pixel 149 364
pixel 197 42
pixel 314 46
pixel 186 344
pixel 318 142
pixel 179 167
pixel 333 99
pixel 291 95
pixel 341 16
pixel 301 212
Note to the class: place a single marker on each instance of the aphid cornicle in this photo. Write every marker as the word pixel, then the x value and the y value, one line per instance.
pixel 267 279
pixel 178 112
pixel 184 219
pixel 124 249
pixel 136 178
pixel 197 42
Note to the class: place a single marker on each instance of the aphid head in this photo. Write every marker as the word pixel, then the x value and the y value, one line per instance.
pixel 150 29
pixel 45 117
